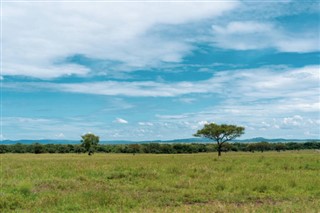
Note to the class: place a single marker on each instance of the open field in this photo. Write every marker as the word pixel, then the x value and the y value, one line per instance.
pixel 237 182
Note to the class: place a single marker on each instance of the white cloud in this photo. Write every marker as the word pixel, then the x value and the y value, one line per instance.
pixel 44 71
pixel 298 85
pixel 202 123
pixel 195 125
pixel 35 47
pixel 27 120
pixel 115 88
pixel 145 123
pixel 266 98
pixel 295 120
pixel 42 128
pixel 115 104
pixel 266 93
pixel 120 121
pixel 2 137
pixel 187 100
pixel 266 122
pixel 60 135
pixel 246 27
pixel 171 117
pixel 251 35
pixel 269 101
pixel 299 43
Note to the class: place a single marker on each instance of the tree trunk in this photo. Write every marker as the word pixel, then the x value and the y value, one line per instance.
pixel 219 150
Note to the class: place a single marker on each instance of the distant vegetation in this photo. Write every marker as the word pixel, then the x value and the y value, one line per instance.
pixel 157 148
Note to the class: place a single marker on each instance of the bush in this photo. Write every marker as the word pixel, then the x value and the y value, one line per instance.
pixel 38 148
pixel 156 148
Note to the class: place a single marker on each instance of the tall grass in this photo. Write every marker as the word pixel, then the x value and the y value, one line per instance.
pixel 236 182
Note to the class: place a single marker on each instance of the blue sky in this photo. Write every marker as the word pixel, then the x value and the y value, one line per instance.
pixel 159 70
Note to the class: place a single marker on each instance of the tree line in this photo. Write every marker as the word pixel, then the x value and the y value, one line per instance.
pixel 158 148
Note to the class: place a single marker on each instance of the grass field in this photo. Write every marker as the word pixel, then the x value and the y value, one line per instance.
pixel 235 182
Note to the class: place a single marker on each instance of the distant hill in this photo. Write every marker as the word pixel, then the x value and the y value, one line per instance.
pixel 186 140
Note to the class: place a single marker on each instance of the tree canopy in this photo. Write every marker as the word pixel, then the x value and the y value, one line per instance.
pixel 89 142
pixel 220 133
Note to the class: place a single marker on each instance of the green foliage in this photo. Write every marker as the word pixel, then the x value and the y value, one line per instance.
pixel 79 149
pixel 20 148
pixel 157 148
pixel 89 142
pixel 4 148
pixel 220 133
pixel 279 147
pixel 263 146
pixel 242 182
pixel 38 148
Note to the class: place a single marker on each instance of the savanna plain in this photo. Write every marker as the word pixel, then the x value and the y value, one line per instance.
pixel 235 182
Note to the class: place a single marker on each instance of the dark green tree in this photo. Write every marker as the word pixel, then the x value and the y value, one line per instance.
pixel 262 146
pixel 4 148
pixel 134 148
pixel 279 147
pixel 18 148
pixel 38 148
pixel 89 142
pixel 220 133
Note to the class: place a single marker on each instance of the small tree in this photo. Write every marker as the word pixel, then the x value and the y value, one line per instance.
pixel 220 133
pixel 89 142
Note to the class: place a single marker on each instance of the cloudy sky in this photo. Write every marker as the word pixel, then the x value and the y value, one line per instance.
pixel 159 70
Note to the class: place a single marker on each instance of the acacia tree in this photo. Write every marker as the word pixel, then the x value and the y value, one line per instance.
pixel 89 142
pixel 220 133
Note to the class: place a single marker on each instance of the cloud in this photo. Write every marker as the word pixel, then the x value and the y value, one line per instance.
pixel 269 102
pixel 275 82
pixel 137 35
pixel 120 121
pixel 120 32
pixel 44 71
pixel 123 88
pixel 40 128
pixel 247 35
pixel 202 123
pixel 115 104
pixel 171 117
pixel 60 135
pixel 245 27
pixel 145 123
pixel 136 89
pixel 265 100
pixel 187 100
pixel 2 137
pixel 295 120
pixel 266 122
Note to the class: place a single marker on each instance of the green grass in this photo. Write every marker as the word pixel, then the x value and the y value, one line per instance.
pixel 236 182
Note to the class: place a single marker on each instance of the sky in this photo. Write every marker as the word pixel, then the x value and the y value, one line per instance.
pixel 159 70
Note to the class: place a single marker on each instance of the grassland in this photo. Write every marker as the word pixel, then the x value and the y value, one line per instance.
pixel 235 182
